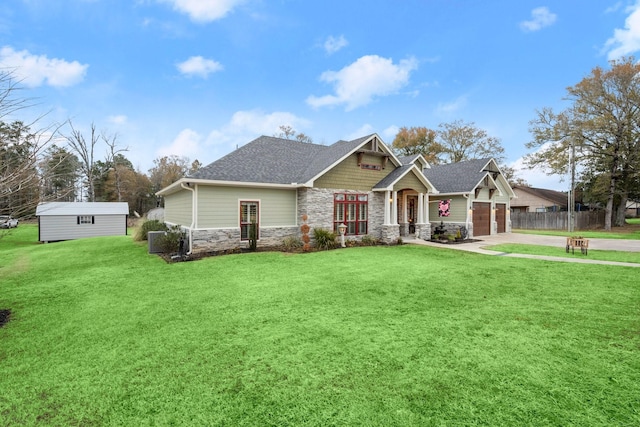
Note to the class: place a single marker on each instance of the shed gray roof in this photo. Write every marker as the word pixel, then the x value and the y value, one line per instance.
pixel 276 161
pixel 461 177
pixel 82 208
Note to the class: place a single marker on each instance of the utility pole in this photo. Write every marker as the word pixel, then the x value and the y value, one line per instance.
pixel 572 196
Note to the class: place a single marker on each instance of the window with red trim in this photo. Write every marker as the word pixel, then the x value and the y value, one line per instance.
pixel 352 211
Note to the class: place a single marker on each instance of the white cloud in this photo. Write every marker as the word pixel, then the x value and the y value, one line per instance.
pixel 363 130
pixel 36 70
pixel 389 134
pixel 452 107
pixel 186 144
pixel 243 127
pixel 257 123
pixel 613 8
pixel 358 83
pixel 118 119
pixel 627 40
pixel 204 10
pixel 199 66
pixel 540 17
pixel 334 44
pixel 538 177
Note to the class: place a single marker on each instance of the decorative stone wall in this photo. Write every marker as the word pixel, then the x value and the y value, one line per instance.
pixel 227 239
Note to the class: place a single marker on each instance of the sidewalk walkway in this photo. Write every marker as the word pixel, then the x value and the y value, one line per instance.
pixel 534 239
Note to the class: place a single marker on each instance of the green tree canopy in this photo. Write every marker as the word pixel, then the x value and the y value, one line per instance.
pixel 599 131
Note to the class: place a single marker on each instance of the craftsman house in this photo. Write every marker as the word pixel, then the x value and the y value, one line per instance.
pixel 276 182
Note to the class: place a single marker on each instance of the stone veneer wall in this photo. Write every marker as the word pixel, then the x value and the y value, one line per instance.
pixel 229 238
pixel 317 204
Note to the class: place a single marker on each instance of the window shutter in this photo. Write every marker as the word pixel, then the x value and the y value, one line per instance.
pixel 78 220
pixel 93 220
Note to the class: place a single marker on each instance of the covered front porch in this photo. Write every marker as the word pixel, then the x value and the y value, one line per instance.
pixel 406 204
pixel 408 210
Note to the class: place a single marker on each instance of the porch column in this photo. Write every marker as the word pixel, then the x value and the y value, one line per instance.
pixel 405 214
pixel 394 209
pixel 387 207
pixel 420 208
pixel 425 209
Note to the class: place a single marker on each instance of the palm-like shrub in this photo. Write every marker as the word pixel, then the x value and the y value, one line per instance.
pixel 325 239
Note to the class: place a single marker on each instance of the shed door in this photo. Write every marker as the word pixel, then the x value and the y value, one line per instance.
pixel 481 219
pixel 501 217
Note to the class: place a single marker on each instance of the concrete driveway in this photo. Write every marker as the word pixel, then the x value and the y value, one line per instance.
pixel 534 239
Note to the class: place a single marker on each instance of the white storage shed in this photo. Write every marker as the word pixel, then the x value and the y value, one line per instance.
pixel 76 220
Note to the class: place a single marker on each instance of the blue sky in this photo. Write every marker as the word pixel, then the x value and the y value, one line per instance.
pixel 197 78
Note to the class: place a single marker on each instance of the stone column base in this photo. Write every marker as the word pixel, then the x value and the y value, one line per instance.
pixel 423 231
pixel 390 234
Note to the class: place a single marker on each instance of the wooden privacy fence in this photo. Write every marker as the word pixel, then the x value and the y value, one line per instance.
pixel 556 220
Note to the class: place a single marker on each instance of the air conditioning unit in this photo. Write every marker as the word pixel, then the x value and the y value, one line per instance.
pixel 153 237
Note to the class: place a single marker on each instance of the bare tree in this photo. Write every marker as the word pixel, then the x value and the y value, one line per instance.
pixel 287 132
pixel 22 146
pixel 112 158
pixel 85 149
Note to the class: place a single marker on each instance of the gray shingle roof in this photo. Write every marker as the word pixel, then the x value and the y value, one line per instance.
pixel 557 197
pixel 461 177
pixel 392 177
pixel 276 161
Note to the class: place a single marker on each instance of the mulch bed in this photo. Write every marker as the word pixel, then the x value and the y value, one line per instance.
pixel 174 257
pixel 5 314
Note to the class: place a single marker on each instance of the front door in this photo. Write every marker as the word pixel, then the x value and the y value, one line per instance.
pixel 412 213
pixel 501 217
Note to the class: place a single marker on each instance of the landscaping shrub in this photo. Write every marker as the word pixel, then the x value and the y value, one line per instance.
pixel 368 240
pixel 325 239
pixel 170 241
pixel 292 243
pixel 146 227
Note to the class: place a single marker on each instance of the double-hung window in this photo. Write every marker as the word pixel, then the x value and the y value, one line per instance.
pixel 352 211
pixel 249 214
pixel 85 219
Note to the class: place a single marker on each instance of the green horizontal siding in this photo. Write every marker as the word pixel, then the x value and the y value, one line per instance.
pixel 457 209
pixel 411 181
pixel 178 207
pixel 349 175
pixel 219 207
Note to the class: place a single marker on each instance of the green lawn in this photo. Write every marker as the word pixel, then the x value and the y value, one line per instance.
pixel 102 333
pixel 629 232
pixel 557 251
